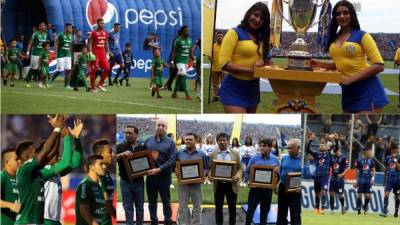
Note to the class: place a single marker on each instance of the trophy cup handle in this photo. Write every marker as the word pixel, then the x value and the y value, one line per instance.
pixel 324 6
pixel 280 9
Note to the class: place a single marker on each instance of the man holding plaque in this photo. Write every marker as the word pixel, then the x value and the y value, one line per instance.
pixel 261 196
pixel 289 164
pixel 226 188
pixel 132 192
pixel 193 191
pixel 160 179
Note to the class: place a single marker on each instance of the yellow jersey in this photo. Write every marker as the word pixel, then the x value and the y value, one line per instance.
pixel 397 56
pixel 238 48
pixel 352 57
pixel 215 56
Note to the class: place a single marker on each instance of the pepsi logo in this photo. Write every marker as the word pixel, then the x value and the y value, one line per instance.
pixel 321 161
pixel 96 9
pixel 392 166
pixel 365 167
pixel 336 166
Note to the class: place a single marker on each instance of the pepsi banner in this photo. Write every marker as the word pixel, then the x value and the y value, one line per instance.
pixel 138 19
pixel 350 197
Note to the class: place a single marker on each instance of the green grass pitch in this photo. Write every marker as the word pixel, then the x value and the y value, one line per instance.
pixel 310 218
pixel 57 99
pixel 328 103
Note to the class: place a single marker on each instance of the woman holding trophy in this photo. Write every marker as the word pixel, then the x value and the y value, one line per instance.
pixel 349 48
pixel 242 49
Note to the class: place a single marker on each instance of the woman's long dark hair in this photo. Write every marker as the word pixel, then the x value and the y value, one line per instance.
pixel 334 24
pixel 235 143
pixel 262 34
pixel 248 141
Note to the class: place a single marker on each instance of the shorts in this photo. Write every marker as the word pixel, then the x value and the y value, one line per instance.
pixel 364 187
pixel 116 59
pixel 321 183
pixel 158 81
pixel 44 70
pixel 64 63
pixel 392 185
pixel 237 92
pixel 34 62
pixel 181 68
pixel 336 185
pixel 12 68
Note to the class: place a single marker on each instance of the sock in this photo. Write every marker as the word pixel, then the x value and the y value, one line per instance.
pixel 366 203
pixel 341 199
pixel 332 202
pixel 385 204
pixel 396 202
pixel 359 203
pixel 323 202
pixel 317 202
pixel 55 76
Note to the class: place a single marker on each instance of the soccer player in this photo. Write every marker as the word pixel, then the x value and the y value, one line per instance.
pixel 322 164
pixel 29 180
pixel 392 181
pixel 127 58
pixel 157 66
pixel 90 208
pixel 116 58
pixel 9 191
pixel 365 166
pixel 63 50
pixel 259 195
pixel 339 166
pixel 190 191
pixel 35 46
pixel 57 168
pixel 13 54
pixel 82 63
pixel 102 147
pixel 98 45
pixel 216 73
pixel 181 55
pixel 44 65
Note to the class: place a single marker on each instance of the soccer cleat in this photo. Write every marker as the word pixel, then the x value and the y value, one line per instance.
pixel 93 89
pixel 40 85
pixel 68 87
pixel 343 210
pixel 159 96
pixel 188 97
pixel 12 85
pixel 120 82
pixel 128 85
pixel 5 82
pixel 317 211
pixel 76 89
pixel 359 212
pixel 102 88
pixel 153 91
pixel 322 211
pixel 28 85
pixel 215 99
pixel 365 212
pixel 383 214
pixel 396 214
pixel 174 96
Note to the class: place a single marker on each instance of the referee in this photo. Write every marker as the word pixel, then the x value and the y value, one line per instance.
pixel 289 164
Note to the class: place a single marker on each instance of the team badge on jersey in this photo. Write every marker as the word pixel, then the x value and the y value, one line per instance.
pixel 351 49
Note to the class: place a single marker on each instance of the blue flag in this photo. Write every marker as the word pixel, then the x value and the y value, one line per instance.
pixel 324 25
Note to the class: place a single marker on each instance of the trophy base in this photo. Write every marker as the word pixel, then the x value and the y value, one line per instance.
pixel 299 63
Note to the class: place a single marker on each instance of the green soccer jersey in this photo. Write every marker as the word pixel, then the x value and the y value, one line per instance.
pixel 64 45
pixel 107 185
pixel 31 193
pixel 90 192
pixel 13 54
pixel 38 39
pixel 158 65
pixel 44 59
pixel 9 193
pixel 83 61
pixel 183 47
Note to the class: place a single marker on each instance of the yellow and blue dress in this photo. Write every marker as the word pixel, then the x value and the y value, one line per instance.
pixel 239 89
pixel 351 58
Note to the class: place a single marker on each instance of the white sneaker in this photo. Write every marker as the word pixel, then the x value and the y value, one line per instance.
pixel 40 85
pixel 102 88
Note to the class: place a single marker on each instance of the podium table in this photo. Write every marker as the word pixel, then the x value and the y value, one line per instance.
pixel 296 89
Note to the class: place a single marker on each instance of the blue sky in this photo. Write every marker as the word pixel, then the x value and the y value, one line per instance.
pixel 375 15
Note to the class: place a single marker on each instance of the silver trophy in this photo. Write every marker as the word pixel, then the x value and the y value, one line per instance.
pixel 301 14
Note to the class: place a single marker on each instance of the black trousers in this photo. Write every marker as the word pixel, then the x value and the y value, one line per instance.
pixel 262 197
pixel 159 184
pixel 288 201
pixel 225 189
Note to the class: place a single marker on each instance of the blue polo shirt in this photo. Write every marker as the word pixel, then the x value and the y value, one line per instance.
pixel 289 165
pixel 166 152
pixel 258 159
pixel 184 155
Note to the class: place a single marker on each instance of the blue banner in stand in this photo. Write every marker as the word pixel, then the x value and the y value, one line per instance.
pixel 138 20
